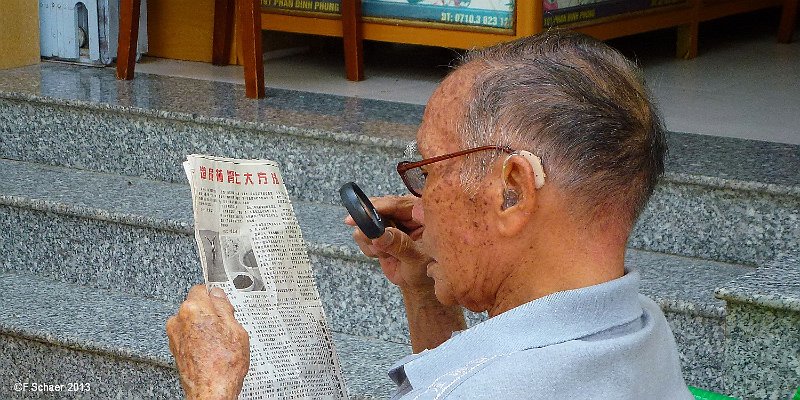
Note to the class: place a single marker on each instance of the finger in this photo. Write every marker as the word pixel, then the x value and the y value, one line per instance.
pixel 191 310
pixel 368 250
pixel 391 208
pixel 221 303
pixel 364 243
pixel 171 326
pixel 198 292
pixel 395 207
pixel 172 330
pixel 399 245
pixel 197 303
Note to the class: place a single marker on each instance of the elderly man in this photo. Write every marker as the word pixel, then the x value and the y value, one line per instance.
pixel 538 156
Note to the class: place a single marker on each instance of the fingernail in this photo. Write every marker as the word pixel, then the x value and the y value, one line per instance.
pixel 217 292
pixel 386 239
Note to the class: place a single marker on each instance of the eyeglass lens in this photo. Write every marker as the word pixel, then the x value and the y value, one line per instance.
pixel 415 179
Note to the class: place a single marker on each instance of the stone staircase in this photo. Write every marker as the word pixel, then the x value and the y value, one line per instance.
pixel 98 247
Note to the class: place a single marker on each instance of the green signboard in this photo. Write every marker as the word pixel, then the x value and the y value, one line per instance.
pixel 563 12
pixel 469 13
pixel 473 13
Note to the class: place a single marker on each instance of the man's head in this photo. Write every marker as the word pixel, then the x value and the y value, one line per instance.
pixel 579 106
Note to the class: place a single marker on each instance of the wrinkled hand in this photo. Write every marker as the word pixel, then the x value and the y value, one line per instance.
pixel 211 348
pixel 398 251
pixel 405 263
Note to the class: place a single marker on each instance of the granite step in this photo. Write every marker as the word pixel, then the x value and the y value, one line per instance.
pixel 135 236
pixel 86 119
pixel 723 199
pixel 763 310
pixel 56 333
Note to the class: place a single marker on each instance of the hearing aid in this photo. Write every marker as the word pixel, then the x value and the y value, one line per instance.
pixel 510 196
pixel 536 164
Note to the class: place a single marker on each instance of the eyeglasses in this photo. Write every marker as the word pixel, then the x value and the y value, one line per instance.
pixel 414 177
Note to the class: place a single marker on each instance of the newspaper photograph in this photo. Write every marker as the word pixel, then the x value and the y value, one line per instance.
pixel 250 246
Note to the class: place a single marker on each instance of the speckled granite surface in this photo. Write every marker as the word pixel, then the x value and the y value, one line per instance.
pixel 109 238
pixel 701 349
pixel 95 376
pixel 681 284
pixel 706 160
pixel 686 219
pixel 126 333
pixel 302 113
pixel 733 163
pixel 723 199
pixel 136 236
pixel 132 144
pixel 125 221
pixel 776 285
pixel 762 352
pixel 718 223
pixel 358 299
pixel 744 192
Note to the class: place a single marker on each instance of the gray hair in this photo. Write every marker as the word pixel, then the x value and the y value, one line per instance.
pixel 579 105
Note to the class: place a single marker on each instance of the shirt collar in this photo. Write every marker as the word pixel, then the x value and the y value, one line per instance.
pixel 556 318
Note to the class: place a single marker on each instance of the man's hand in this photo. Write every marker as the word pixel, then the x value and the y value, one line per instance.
pixel 211 348
pixel 400 256
pixel 405 264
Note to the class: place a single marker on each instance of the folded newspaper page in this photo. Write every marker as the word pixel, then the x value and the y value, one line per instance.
pixel 250 246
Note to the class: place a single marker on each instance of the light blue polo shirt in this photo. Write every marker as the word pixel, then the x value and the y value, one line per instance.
pixel 600 342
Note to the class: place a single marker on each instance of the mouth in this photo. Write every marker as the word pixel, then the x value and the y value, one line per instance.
pixel 416 234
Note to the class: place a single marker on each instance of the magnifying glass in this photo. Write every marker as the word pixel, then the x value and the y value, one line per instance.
pixel 362 210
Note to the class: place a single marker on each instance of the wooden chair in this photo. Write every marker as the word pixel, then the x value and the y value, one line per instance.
pixel 788 21
pixel 528 21
pixel 249 39
pixel 705 10
pixel 249 23
pixel 223 27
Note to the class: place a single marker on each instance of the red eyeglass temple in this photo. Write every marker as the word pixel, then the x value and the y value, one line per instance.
pixel 404 166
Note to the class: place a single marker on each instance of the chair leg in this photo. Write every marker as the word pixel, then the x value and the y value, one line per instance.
pixel 250 41
pixel 128 37
pixel 687 40
pixel 688 33
pixel 788 21
pixel 223 31
pixel 353 40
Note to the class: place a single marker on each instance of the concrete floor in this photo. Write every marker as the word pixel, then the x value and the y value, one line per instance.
pixel 742 85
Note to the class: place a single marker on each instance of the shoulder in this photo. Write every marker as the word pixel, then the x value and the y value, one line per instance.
pixel 638 360
pixel 574 369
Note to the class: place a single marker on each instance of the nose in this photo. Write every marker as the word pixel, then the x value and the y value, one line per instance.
pixel 417 212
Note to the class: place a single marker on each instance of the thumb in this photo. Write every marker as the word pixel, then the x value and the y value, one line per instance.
pixel 399 245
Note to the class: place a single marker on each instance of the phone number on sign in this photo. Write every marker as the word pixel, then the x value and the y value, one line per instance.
pixel 48 387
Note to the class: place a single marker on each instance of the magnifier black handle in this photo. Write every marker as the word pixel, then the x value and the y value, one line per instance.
pixel 362 210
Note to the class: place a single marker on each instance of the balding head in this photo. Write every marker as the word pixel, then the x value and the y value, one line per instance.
pixel 579 105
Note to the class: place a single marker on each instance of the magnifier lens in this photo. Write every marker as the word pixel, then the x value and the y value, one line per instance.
pixel 361 209
pixel 364 207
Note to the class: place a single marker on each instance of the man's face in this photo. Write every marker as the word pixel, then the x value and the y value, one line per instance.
pixel 456 234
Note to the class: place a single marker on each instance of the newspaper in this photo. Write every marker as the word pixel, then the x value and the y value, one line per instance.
pixel 250 246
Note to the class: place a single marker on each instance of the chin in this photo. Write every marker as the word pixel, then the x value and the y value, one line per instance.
pixel 443 294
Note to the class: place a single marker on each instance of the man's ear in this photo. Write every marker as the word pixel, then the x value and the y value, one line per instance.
pixel 518 195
